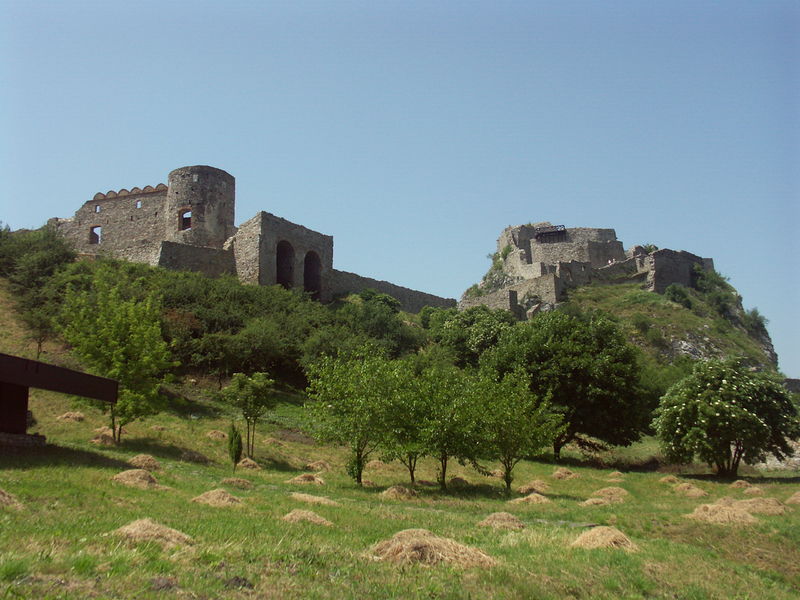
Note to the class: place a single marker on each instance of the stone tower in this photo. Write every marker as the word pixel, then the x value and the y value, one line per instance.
pixel 200 206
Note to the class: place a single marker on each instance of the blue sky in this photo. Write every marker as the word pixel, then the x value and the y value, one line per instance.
pixel 414 132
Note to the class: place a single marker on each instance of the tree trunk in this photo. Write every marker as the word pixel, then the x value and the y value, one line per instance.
pixel 443 472
pixel 411 465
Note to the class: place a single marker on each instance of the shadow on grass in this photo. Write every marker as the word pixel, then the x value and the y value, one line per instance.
pixel 754 479
pixel 52 455
pixel 645 465
pixel 157 448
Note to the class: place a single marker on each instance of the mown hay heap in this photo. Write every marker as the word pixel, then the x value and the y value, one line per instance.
pixel 420 546
pixel 104 437
pixel 249 463
pixel 309 499
pixel 9 501
pixel 218 498
pixel 612 494
pixel 595 502
pixel 564 473
pixel 502 520
pixel 238 482
pixel 71 417
pixel 537 485
pixel 297 516
pixel 194 457
pixel 762 506
pixel 307 479
pixel 147 530
pixel 604 537
pixel 458 482
pixel 722 514
pixel 689 490
pixel 318 466
pixel 399 492
pixel 794 498
pixel 670 479
pixel 533 498
pixel 145 461
pixel 138 478
pixel 753 490
pixel 216 434
pixel 375 465
pixel 740 483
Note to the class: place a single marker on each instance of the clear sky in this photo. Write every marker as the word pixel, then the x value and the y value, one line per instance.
pixel 414 132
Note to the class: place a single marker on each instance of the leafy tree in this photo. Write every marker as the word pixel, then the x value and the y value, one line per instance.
pixel 253 395
pixel 349 401
pixel 515 423
pixel 234 445
pixel 120 338
pixel 587 369
pixel 723 414
pixel 469 333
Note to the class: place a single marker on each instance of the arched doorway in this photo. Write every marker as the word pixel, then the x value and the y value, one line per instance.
pixel 284 265
pixel 312 274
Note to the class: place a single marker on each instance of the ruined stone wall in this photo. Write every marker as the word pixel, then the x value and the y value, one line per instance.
pixel 595 246
pixel 126 224
pixel 666 267
pixel 246 247
pixel 343 283
pixel 209 261
pixel 501 300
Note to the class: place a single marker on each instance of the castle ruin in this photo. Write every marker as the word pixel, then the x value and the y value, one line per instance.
pixel 188 224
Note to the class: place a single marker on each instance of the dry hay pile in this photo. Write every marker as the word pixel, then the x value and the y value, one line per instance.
pixel 216 434
pixel 309 499
pixel 564 473
pixel 761 506
pixel 368 484
pixel 458 482
pixel 753 491
pixel 689 490
pixel 533 498
pixel 671 479
pixel 138 478
pixel 596 502
pixel 307 479
pixel 420 546
pixel 537 485
pixel 71 417
pixel 612 494
pixel 604 537
pixel 237 482
pixel 194 457
pixel 144 461
pixel 740 483
pixel 147 530
pixel 794 498
pixel 103 437
pixel 399 492
pixel 375 465
pixel 497 473
pixel 249 463
pixel 502 520
pixel 721 513
pixel 271 441
pixel 158 428
pixel 9 501
pixel 297 515
pixel 318 466
pixel 616 474
pixel 218 498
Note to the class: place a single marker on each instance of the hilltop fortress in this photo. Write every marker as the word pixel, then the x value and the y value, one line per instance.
pixel 188 224
pixel 536 264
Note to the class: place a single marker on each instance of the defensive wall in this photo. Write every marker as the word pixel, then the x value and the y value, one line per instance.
pixel 188 224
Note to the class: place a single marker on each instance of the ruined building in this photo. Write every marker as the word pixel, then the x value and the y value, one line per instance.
pixel 536 264
pixel 188 224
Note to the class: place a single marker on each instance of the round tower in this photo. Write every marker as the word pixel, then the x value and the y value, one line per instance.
pixel 200 206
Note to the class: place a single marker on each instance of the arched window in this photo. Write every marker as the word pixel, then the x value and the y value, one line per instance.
pixel 184 219
pixel 95 235
pixel 312 274
pixel 284 265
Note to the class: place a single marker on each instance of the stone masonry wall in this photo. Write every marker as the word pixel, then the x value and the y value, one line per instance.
pixel 343 283
pixel 210 261
pixel 669 266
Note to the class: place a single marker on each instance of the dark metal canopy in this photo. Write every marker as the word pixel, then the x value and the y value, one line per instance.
pixel 34 374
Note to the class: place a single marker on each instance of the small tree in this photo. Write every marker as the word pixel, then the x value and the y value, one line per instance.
pixel 723 414
pixel 253 396
pixel 234 445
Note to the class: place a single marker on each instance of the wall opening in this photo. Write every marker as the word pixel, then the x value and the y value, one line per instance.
pixel 138 204
pixel 96 235
pixel 97 208
pixel 312 274
pixel 184 219
pixel 284 264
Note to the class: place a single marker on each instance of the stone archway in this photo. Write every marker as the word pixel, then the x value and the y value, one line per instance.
pixel 312 274
pixel 284 265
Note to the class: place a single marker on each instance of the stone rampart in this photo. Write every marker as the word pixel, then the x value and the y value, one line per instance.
pixel 343 283
pixel 209 261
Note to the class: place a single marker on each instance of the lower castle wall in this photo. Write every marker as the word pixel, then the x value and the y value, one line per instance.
pixel 209 261
pixel 670 266
pixel 503 299
pixel 342 283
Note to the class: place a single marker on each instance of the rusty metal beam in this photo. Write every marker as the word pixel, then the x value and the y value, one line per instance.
pixel 34 374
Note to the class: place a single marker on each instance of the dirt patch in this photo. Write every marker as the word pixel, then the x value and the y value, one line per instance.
pixel 595 502
pixel 420 546
pixel 273 442
pixel 138 478
pixel 195 457
pixel 740 484
pixel 298 515
pixel 762 506
pixel 533 498
pixel 722 514
pixel 612 494
pixel 71 417
pixel 237 482
pixel 564 473
pixel 604 537
pixel 218 498
pixel 689 490
pixel 307 479
pixel 670 479
pixel 294 435
pixel 399 492
pixel 502 520
pixel 753 490
pixel 318 466
pixel 147 530
pixel 537 485
pixel 9 501
pixel 145 461
pixel 216 434
pixel 249 463
pixel 794 498
pixel 309 499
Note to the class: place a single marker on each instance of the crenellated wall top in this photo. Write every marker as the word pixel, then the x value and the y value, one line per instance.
pixel 135 191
